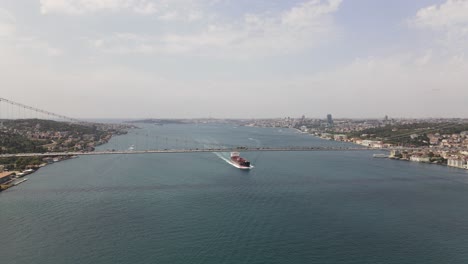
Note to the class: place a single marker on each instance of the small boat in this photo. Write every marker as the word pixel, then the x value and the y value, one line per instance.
pixel 19 182
pixel 380 156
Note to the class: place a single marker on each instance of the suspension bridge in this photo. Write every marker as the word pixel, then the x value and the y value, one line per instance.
pixel 148 144
pixel 243 149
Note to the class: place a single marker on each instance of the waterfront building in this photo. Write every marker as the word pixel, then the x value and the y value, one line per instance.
pixel 420 158
pixel 456 162
pixel 394 153
pixel 5 177
pixel 372 143
pixel 340 137
pixel 405 155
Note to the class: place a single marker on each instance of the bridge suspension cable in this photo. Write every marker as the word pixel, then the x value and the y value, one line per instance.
pixel 37 110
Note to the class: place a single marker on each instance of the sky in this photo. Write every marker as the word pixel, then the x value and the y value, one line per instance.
pixel 236 58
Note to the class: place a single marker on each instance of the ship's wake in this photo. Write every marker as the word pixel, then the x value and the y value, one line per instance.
pixel 208 143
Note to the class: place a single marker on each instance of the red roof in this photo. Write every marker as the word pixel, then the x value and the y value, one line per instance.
pixel 5 174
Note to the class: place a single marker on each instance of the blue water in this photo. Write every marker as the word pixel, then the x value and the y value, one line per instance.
pixel 293 207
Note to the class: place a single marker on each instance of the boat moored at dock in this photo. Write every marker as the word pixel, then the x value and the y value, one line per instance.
pixel 19 182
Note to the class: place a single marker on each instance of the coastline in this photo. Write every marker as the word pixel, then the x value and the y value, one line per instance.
pixel 19 175
pixel 390 156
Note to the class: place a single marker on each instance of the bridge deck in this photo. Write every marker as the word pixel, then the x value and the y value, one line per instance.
pixel 246 149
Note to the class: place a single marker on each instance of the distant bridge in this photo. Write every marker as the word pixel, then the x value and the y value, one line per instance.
pixel 153 143
pixel 243 149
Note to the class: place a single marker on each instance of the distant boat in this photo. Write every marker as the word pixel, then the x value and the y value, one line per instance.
pixel 380 156
pixel 19 182
pixel 131 148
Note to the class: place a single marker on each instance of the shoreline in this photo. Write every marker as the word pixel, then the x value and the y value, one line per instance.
pixel 378 149
pixel 19 175
pixel 18 179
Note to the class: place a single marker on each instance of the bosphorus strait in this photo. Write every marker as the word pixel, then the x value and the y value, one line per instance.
pixel 292 207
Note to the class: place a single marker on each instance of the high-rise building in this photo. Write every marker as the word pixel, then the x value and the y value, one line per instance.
pixel 330 119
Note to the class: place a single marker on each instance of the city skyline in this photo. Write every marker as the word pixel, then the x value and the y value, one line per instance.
pixel 236 59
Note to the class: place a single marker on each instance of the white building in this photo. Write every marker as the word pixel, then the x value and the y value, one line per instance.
pixel 372 143
pixel 457 162
pixel 419 158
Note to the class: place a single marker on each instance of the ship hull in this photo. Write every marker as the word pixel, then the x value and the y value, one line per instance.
pixel 241 167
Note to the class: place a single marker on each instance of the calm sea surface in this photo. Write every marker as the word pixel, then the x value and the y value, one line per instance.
pixel 293 207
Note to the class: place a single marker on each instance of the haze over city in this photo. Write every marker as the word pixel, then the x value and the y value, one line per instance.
pixel 236 59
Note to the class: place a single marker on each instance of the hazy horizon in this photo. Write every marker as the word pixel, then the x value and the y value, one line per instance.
pixel 259 118
pixel 236 59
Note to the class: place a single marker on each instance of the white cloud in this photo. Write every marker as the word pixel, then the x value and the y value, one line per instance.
pixel 166 10
pixel 299 28
pixel 7 23
pixel 397 85
pixel 453 13
pixel 14 39
pixel 447 23
pixel 36 46
pixel 308 13
pixel 367 87
pixel 76 7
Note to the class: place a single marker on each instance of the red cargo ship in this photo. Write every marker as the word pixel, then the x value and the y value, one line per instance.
pixel 239 162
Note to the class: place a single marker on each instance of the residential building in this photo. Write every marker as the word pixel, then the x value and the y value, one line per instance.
pixel 456 162
pixel 420 158
pixel 5 177
pixel 340 137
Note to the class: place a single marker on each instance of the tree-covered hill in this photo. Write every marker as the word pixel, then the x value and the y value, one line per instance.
pixel 14 143
pixel 401 134
pixel 50 125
